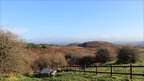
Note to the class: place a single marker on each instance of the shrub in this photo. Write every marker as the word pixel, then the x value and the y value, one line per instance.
pixel 73 59
pixel 46 60
pixel 86 60
pixel 33 45
pixel 12 53
pixel 58 60
pixel 128 54
pixel 41 62
pixel 105 54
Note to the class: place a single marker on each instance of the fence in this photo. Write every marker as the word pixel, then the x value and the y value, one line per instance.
pixel 110 72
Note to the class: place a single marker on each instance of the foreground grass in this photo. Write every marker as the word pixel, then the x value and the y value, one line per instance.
pixel 75 76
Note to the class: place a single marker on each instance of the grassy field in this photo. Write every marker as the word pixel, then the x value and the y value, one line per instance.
pixel 75 76
pixel 80 76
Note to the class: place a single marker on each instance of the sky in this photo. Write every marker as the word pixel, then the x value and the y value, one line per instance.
pixel 51 21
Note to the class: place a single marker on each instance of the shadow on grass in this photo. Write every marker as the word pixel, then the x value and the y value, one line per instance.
pixel 109 63
pixel 29 75
pixel 42 76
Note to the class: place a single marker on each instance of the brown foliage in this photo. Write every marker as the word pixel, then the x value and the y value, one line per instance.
pixel 49 60
pixel 72 54
pixel 12 53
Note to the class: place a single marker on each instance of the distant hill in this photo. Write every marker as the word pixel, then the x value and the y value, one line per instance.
pixel 97 44
pixel 74 44
pixel 134 43
pixel 137 44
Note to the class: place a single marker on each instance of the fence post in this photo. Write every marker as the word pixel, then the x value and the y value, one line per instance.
pixel 84 68
pixel 130 71
pixel 75 68
pixel 96 69
pixel 62 68
pixel 111 69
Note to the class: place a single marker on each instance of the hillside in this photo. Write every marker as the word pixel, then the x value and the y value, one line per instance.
pixel 97 44
pixel 86 48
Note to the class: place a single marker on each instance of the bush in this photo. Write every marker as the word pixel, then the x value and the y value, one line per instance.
pixel 12 53
pixel 105 54
pixel 58 60
pixel 86 60
pixel 73 59
pixel 128 54
pixel 40 63
pixel 46 60
pixel 33 45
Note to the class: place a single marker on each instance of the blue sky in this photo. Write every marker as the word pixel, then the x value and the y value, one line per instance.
pixel 74 21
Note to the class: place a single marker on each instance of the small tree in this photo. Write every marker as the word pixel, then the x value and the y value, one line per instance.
pixel 128 54
pixel 105 54
pixel 12 52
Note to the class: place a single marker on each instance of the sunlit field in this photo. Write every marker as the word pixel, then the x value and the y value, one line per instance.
pixel 81 76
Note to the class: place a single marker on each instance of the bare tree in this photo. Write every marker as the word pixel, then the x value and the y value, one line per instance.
pixel 12 52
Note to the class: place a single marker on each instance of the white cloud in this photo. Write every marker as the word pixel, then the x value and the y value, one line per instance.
pixel 16 30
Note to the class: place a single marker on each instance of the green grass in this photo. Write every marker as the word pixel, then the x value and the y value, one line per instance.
pixel 80 76
pixel 75 76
